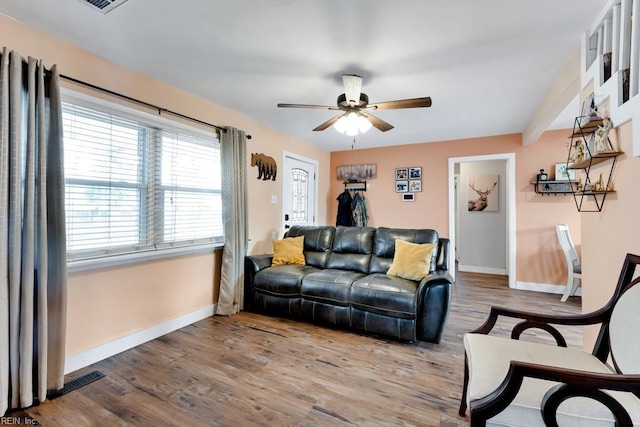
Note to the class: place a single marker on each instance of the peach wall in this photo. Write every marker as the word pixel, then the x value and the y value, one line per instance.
pixel 111 303
pixel 609 235
pixel 538 255
pixel 119 301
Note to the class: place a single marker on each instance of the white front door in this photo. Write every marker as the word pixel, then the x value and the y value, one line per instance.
pixel 299 191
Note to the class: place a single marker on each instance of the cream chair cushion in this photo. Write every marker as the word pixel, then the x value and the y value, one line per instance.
pixel 624 333
pixel 489 358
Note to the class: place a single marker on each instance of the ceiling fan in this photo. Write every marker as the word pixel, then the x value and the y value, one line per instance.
pixel 356 108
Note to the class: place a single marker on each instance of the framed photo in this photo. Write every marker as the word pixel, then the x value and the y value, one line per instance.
pixel 408 197
pixel 564 174
pixel 402 186
pixel 402 174
pixel 415 173
pixel 484 193
pixel 415 186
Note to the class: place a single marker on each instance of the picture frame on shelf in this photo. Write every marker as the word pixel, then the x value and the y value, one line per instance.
pixel 589 109
pixel 564 174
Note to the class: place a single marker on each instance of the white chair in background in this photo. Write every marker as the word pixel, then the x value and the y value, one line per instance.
pixel 574 269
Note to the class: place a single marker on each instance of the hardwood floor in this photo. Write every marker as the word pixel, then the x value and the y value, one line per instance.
pixel 251 369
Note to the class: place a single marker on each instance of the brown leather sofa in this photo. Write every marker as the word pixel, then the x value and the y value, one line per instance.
pixel 344 283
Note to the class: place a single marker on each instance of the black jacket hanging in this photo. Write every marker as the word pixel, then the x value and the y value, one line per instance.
pixel 345 216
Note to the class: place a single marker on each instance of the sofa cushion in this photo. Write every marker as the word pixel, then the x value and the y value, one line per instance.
pixel 329 286
pixel 351 250
pixel 384 294
pixel 412 260
pixel 384 246
pixel 489 358
pixel 288 251
pixel 317 242
pixel 282 279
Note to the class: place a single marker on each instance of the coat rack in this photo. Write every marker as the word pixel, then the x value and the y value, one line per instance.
pixel 356 186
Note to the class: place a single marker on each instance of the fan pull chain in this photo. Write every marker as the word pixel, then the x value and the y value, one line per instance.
pixel 354 143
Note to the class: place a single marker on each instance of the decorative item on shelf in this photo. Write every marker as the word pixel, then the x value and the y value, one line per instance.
pixel 598 185
pixel 579 185
pixel 589 110
pixel 578 152
pixel 542 176
pixel 267 166
pixel 602 142
pixel 564 174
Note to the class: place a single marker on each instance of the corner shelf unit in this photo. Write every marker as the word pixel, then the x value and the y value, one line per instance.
pixel 584 129
pixel 554 187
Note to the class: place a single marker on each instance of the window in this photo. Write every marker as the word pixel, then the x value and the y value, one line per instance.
pixel 137 184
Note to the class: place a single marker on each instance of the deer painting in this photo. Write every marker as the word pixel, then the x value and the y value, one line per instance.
pixel 481 202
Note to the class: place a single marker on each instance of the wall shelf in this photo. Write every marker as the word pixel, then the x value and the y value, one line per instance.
pixel 594 160
pixel 554 187
pixel 590 195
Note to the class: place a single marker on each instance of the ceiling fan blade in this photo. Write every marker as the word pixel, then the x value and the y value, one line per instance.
pixel 402 103
pixel 377 123
pixel 319 107
pixel 328 123
pixel 352 88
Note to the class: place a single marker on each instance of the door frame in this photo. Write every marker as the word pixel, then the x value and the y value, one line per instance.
pixel 314 163
pixel 510 191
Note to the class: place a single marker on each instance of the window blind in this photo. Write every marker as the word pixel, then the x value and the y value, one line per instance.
pixel 135 186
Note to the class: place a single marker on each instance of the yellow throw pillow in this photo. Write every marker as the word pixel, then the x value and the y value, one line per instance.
pixel 411 260
pixel 288 251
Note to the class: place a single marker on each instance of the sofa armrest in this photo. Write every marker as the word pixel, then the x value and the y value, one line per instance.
pixel 434 300
pixel 258 262
pixel 442 259
pixel 440 276
pixel 253 264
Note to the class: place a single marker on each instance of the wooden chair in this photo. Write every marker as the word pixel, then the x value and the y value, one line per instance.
pixel 525 383
pixel 574 269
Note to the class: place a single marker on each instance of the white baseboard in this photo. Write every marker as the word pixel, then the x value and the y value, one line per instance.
pixel 545 287
pixel 101 352
pixel 484 270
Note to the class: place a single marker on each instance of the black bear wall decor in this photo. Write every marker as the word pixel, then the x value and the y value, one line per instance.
pixel 267 167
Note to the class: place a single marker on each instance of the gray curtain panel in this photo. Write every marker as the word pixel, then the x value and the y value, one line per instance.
pixel 233 147
pixel 33 268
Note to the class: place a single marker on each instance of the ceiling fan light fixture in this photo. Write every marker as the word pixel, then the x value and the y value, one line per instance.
pixel 341 124
pixel 352 124
pixel 353 127
pixel 363 124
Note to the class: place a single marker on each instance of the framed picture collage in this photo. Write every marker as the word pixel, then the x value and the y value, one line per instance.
pixel 409 182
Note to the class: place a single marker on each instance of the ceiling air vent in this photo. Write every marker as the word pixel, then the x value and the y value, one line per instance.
pixel 105 6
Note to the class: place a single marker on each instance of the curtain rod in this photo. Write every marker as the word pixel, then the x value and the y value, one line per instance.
pixel 143 103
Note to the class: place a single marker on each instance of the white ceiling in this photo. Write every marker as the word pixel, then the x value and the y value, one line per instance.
pixel 485 63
